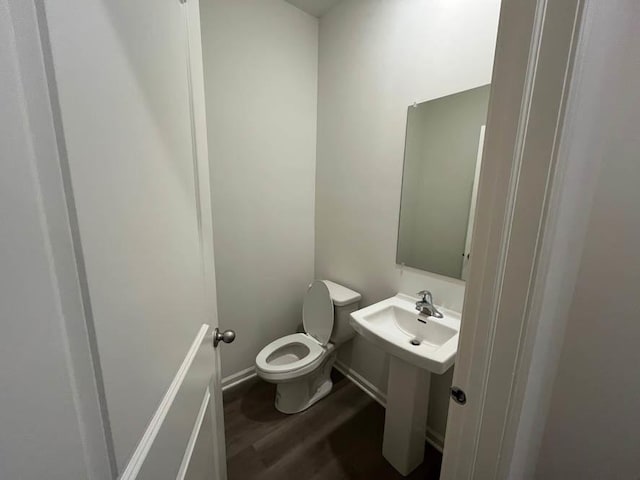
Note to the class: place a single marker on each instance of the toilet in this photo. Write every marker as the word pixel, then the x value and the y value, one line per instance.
pixel 300 364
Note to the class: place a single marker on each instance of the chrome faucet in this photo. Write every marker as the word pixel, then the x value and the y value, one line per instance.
pixel 426 306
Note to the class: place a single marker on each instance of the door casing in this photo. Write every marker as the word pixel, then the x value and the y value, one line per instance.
pixel 515 222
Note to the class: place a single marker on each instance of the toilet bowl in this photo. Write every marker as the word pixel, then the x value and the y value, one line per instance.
pixel 300 364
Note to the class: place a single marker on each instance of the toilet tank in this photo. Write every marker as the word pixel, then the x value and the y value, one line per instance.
pixel 345 301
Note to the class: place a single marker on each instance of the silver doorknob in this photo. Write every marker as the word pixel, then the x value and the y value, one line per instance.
pixel 227 336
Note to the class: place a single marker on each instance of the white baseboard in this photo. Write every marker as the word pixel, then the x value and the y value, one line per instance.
pixel 435 439
pixel 237 378
pixel 364 384
pixel 432 437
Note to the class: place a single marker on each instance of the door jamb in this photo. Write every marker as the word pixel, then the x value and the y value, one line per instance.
pixel 535 52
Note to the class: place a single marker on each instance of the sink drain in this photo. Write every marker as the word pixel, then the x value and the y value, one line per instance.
pixel 415 342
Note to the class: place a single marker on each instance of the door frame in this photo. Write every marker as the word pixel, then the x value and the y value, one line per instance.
pixel 518 283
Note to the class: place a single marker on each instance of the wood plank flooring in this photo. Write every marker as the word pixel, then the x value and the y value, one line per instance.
pixel 340 437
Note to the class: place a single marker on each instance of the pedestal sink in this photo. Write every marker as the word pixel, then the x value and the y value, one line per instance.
pixel 418 346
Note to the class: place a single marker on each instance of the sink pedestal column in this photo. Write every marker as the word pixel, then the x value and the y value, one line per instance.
pixel 405 420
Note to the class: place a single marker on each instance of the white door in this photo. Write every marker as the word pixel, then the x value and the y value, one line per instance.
pixel 128 81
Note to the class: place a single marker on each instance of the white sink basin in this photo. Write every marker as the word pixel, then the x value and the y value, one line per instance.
pixel 394 323
pixel 418 346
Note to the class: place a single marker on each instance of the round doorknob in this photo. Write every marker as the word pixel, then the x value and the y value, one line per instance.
pixel 227 336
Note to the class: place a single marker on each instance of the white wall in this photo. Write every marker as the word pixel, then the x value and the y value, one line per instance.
pixel 376 57
pixel 591 431
pixel 260 62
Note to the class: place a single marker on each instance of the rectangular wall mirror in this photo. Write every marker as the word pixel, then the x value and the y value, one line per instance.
pixel 443 150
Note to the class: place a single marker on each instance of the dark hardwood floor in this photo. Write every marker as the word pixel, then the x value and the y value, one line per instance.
pixel 340 437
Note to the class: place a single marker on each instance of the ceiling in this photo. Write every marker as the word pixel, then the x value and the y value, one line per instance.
pixel 317 8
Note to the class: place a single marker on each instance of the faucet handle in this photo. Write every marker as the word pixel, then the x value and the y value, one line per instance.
pixel 426 296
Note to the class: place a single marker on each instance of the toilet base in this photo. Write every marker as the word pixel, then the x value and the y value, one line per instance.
pixel 298 395
pixel 294 398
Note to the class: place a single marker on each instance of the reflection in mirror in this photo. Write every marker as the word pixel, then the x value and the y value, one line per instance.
pixel 442 156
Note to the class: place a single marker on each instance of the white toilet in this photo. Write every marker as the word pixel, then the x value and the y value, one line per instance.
pixel 300 364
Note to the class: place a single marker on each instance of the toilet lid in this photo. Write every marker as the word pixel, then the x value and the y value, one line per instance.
pixel 317 312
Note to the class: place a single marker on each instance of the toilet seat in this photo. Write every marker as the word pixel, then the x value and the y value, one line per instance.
pixel 300 364
pixel 317 312
pixel 290 357
pixel 296 355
